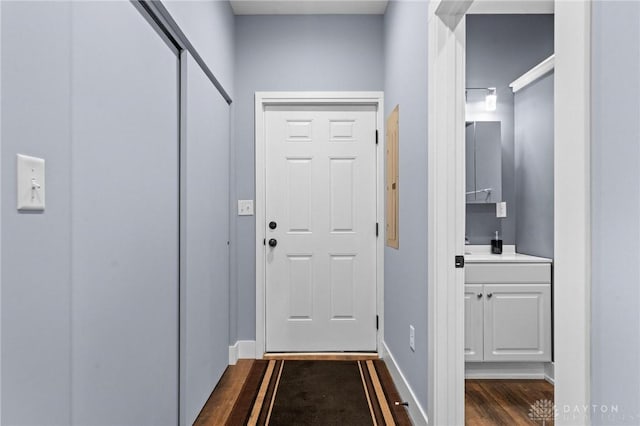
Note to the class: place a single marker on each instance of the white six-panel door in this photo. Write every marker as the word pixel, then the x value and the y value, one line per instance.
pixel 321 247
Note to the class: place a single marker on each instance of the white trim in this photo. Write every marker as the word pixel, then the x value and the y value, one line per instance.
pixel 415 410
pixel 511 7
pixel 246 349
pixel 446 203
pixel 0 215
pixel 233 354
pixel 549 373
pixel 572 276
pixel 533 74
pixel 263 99
pixel 242 349
pixel 506 370
pixel 572 207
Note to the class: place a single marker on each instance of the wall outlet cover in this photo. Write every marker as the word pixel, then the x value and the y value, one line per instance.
pixel 501 209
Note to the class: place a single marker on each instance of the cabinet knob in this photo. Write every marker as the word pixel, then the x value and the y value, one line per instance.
pixel 489 295
pixel 479 295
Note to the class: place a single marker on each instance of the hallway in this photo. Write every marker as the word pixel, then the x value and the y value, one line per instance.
pixel 309 390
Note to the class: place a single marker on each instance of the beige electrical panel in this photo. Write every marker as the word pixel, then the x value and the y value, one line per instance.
pixel 392 186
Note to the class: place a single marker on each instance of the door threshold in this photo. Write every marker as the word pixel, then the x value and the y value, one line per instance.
pixel 322 356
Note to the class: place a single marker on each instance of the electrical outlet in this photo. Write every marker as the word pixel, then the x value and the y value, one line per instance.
pixel 501 209
pixel 412 338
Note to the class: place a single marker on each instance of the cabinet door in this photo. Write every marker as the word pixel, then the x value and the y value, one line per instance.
pixel 473 318
pixel 517 321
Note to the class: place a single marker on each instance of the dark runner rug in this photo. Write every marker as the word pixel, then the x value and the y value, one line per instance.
pixel 353 393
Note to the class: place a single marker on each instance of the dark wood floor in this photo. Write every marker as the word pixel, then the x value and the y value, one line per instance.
pixel 487 402
pixel 218 408
pixel 505 402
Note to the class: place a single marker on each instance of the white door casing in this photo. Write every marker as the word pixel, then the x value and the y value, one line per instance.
pixel 318 178
pixel 572 245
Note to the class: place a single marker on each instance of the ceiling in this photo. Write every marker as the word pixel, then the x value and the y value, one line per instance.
pixel 374 7
pixel 309 7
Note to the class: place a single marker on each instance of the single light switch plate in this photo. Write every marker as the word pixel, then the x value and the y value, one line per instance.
pixel 31 188
pixel 245 207
pixel 501 209
pixel 412 338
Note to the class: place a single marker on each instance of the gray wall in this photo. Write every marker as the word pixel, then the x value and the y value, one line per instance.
pixel 405 297
pixel 615 332
pixel 36 269
pixel 534 168
pixel 500 48
pixel 281 53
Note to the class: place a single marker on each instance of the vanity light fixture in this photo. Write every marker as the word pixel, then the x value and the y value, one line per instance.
pixel 491 100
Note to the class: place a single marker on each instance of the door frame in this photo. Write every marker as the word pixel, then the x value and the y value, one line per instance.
pixel 572 210
pixel 264 99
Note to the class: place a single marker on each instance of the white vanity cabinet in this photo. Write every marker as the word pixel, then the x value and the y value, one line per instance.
pixel 508 311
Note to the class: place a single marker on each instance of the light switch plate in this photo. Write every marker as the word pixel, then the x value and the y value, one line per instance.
pixel 412 338
pixel 245 207
pixel 501 209
pixel 31 183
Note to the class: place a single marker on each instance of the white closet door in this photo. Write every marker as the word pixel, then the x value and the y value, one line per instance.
pixel 124 219
pixel 204 322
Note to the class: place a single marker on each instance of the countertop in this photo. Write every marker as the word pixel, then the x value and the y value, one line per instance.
pixel 482 254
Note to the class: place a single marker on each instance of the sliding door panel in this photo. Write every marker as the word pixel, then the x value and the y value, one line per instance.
pixel 125 215
pixel 204 286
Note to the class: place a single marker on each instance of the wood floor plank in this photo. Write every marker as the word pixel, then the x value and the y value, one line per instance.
pixel 503 402
pixel 220 403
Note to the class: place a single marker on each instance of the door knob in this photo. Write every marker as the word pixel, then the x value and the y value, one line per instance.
pixel 273 225
pixel 479 295
pixel 489 295
pixel 273 242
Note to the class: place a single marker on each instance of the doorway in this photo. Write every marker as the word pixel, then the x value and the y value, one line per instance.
pixel 509 202
pixel 318 209
pixel 571 205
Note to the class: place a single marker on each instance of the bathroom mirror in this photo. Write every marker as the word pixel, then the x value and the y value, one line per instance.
pixel 483 162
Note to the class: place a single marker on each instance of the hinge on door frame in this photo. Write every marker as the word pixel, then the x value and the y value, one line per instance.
pixel 377 229
pixel 376 136
pixel 377 322
pixel 459 261
pixel 264 242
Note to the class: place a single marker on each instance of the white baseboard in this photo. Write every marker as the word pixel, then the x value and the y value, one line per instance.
pixel 417 414
pixel 550 372
pixel 242 349
pixel 233 354
pixel 508 370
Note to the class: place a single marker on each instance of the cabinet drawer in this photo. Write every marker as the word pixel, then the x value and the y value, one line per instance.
pixel 492 273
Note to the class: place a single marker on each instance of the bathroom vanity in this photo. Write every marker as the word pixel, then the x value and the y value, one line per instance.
pixel 508 309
